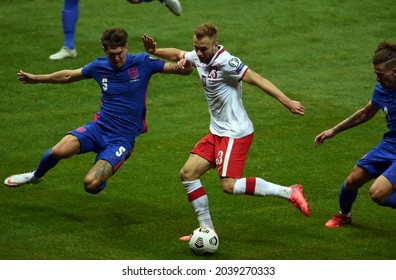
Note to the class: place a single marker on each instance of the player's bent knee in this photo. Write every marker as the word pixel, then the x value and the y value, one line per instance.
pixel 181 175
pixel 185 175
pixel 376 200
pixel 228 188
pixel 376 196
pixel 351 185
pixel 57 153
pixel 94 188
pixel 228 185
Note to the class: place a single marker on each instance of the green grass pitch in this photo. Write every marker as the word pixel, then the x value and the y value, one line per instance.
pixel 317 52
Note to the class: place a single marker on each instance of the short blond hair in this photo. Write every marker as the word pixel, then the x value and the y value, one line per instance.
pixel 206 30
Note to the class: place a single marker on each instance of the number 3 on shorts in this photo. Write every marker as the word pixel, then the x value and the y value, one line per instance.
pixel 219 159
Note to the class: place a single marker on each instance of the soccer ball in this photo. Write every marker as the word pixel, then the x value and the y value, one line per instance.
pixel 204 241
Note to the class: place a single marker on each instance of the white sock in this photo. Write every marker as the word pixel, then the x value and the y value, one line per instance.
pixel 199 202
pixel 259 187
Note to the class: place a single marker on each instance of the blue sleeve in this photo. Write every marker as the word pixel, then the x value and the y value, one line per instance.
pixel 375 99
pixel 159 64
pixel 156 65
pixel 86 71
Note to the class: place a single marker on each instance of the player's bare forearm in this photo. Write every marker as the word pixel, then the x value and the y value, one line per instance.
pixel 272 90
pixel 265 85
pixel 357 118
pixel 171 54
pixel 178 68
pixel 59 77
pixel 352 121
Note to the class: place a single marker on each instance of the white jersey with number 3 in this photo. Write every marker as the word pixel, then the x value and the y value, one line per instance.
pixel 222 81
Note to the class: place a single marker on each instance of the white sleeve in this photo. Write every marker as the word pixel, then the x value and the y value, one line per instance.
pixel 190 57
pixel 234 68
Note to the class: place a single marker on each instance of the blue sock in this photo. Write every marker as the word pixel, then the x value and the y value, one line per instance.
pixel 70 14
pixel 346 199
pixel 390 201
pixel 47 162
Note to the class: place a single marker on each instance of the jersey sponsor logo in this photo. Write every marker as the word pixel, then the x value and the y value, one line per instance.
pixel 233 62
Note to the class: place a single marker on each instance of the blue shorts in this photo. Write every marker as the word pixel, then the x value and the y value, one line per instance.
pixel 380 161
pixel 108 146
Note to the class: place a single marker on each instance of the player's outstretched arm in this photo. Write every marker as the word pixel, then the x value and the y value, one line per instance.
pixel 171 54
pixel 360 116
pixel 59 77
pixel 178 68
pixel 255 79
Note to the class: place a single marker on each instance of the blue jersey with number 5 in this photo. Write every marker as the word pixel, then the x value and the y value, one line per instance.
pixel 123 104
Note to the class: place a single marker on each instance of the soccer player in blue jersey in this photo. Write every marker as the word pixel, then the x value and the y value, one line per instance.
pixel 123 79
pixel 70 13
pixel 379 163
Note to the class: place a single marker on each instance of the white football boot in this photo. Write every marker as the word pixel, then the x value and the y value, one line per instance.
pixel 173 5
pixel 21 179
pixel 63 53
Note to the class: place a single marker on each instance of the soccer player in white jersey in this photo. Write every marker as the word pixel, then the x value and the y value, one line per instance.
pixel 227 144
